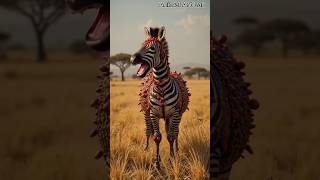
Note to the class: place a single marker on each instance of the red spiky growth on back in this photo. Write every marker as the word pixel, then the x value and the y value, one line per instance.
pixel 102 121
pixel 236 123
pixel 144 100
pixel 184 91
pixel 144 93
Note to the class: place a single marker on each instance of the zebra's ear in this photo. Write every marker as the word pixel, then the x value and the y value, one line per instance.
pixel 147 31
pixel 162 32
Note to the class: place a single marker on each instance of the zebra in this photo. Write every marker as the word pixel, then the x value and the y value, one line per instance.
pixel 163 93
pixel 231 116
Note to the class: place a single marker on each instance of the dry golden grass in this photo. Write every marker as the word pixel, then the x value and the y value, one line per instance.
pixel 286 140
pixel 130 161
pixel 46 120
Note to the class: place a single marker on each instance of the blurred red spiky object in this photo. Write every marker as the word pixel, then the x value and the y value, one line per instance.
pixel 102 121
pixel 236 123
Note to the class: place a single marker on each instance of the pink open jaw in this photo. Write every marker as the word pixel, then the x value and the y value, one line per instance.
pixel 100 25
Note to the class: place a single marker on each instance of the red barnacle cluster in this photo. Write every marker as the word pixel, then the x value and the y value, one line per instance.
pixel 237 115
pixel 184 91
pixel 101 104
pixel 144 93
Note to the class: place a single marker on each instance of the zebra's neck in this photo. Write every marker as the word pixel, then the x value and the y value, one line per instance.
pixel 161 72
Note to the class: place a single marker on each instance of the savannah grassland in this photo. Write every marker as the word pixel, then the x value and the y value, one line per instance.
pixel 46 121
pixel 130 161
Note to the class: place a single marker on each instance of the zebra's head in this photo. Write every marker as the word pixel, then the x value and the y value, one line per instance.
pixel 98 35
pixel 153 52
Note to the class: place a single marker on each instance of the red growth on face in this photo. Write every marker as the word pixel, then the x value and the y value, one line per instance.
pixel 151 40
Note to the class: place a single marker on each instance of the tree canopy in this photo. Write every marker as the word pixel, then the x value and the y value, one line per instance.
pixel 290 33
pixel 41 13
pixel 246 20
pixel 122 61
pixel 285 30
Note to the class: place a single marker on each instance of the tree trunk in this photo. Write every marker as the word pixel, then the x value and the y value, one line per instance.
pixel 122 76
pixel 285 48
pixel 42 54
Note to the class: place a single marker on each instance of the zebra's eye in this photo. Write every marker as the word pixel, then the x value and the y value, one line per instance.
pixel 152 47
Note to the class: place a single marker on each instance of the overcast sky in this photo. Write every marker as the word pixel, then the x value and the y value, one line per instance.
pixel 187 29
pixel 73 27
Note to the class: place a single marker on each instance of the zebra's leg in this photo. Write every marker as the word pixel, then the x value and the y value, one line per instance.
pixel 170 137
pixel 156 137
pixel 173 131
pixel 167 131
pixel 148 130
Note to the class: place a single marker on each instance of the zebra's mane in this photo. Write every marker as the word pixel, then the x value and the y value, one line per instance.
pixel 165 47
pixel 163 44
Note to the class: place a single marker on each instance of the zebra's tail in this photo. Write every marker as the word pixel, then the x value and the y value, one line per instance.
pixel 231 113
pixel 102 121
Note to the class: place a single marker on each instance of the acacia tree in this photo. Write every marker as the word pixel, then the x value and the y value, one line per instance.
pixel 186 68
pixel 122 61
pixel 254 39
pixel 286 30
pixel 246 21
pixel 189 74
pixel 196 70
pixel 4 37
pixel 306 42
pixel 199 70
pixel 41 13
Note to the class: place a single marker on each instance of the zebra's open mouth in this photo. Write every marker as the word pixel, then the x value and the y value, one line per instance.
pixel 98 35
pixel 144 67
pixel 143 70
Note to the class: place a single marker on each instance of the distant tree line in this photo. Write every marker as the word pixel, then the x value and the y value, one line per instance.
pixel 198 71
pixel 290 33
